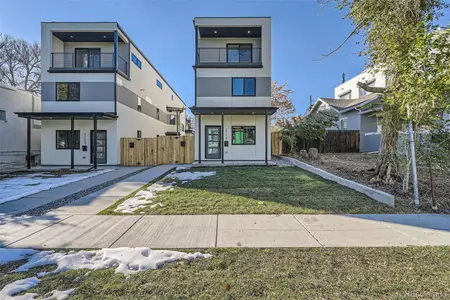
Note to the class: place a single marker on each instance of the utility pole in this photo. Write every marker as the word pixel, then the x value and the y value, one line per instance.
pixel 412 148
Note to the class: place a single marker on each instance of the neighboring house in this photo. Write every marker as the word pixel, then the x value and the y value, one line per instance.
pixel 97 86
pixel 354 106
pixel 13 130
pixel 232 89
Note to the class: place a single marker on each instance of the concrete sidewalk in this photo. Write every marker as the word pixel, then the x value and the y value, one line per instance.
pixel 209 231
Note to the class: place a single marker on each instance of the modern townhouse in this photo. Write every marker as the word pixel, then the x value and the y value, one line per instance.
pixel 97 86
pixel 13 130
pixel 232 89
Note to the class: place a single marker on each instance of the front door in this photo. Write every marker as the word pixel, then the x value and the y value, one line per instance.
pixel 213 147
pixel 101 146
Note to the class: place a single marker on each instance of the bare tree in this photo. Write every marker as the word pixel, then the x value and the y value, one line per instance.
pixel 20 63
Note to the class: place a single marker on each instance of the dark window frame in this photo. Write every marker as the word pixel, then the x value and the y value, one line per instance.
pixel 68 91
pixel 139 107
pixel 68 136
pixel 243 87
pixel 239 48
pixel 157 113
pixel 139 134
pixel 136 61
pixel 243 128
pixel 3 115
pixel 172 119
pixel 90 62
pixel 159 84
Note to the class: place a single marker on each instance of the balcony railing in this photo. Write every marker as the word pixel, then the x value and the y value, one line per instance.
pixel 87 61
pixel 229 56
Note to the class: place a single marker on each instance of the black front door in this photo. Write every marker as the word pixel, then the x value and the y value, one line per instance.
pixel 101 146
pixel 213 147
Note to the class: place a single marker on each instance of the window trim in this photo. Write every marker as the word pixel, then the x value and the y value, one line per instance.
pixel 243 126
pixel 68 131
pixel 243 88
pixel 68 84
pixel 241 44
pixel 349 92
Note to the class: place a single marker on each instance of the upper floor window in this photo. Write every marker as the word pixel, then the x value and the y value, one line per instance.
pixel 239 53
pixel 363 92
pixel 157 113
pixel 347 95
pixel 2 115
pixel 139 134
pixel 136 61
pixel 171 97
pixel 68 91
pixel 243 87
pixel 159 84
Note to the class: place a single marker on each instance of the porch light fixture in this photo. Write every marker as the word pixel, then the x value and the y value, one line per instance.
pixel 104 36
pixel 215 31
pixel 71 36
pixel 249 32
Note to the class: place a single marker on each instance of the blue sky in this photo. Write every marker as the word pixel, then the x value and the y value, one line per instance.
pixel 162 29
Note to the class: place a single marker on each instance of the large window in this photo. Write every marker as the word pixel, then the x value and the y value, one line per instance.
pixel 239 53
pixel 68 91
pixel 88 58
pixel 243 87
pixel 64 139
pixel 244 135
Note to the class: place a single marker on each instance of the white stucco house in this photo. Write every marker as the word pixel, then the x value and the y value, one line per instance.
pixel 13 130
pixel 232 89
pixel 97 86
pixel 356 108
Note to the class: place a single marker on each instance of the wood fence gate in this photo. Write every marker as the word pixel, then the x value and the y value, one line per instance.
pixel 156 151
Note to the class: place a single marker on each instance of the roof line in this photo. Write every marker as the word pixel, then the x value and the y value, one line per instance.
pixel 232 17
pixel 148 61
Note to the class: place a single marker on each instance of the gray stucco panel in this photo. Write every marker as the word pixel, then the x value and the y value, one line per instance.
pixel 89 91
pixel 222 86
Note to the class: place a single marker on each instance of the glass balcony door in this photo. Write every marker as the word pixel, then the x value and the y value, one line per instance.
pixel 87 58
pixel 239 53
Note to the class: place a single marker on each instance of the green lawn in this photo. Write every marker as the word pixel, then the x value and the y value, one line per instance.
pixel 261 190
pixel 316 273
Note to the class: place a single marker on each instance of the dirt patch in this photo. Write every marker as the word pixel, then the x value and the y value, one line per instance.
pixel 360 167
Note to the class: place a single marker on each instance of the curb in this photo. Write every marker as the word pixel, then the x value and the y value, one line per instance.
pixel 377 195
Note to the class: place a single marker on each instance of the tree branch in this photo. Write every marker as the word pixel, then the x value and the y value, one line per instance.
pixel 371 89
pixel 355 31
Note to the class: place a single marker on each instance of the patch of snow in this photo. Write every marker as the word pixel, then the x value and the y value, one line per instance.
pixel 182 168
pixel 144 198
pixel 126 260
pixel 9 255
pixel 188 176
pixel 76 279
pixel 19 286
pixel 22 186
pixel 58 295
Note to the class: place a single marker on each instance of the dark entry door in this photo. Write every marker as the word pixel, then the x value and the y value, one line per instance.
pixel 87 57
pixel 212 141
pixel 101 146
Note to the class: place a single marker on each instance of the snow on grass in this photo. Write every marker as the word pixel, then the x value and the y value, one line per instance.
pixel 20 186
pixel 58 295
pixel 9 255
pixel 125 260
pixel 19 286
pixel 142 199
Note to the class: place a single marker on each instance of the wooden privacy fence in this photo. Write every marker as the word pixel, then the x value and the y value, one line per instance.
pixel 156 151
pixel 335 141
pixel 277 143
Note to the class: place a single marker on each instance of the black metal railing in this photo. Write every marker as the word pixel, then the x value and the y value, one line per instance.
pixel 228 56
pixel 86 60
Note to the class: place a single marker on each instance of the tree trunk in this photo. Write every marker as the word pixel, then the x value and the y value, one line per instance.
pixel 387 169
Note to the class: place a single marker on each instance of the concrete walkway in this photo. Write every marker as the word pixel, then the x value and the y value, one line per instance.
pixel 42 198
pixel 209 231
pixel 98 201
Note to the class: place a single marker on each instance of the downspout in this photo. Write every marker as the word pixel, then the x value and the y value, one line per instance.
pixel 116 41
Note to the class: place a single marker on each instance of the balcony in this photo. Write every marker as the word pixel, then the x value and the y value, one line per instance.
pixel 86 61
pixel 230 57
